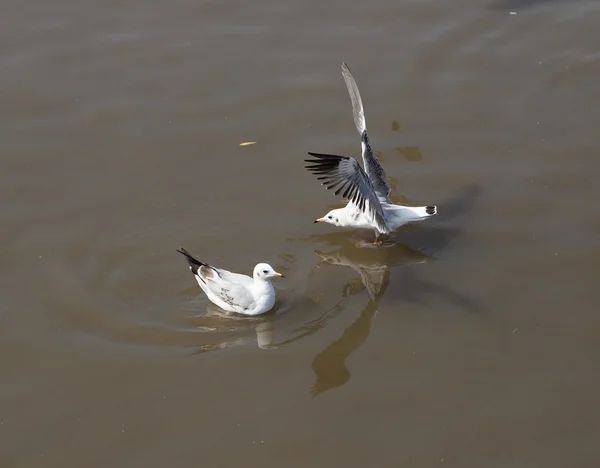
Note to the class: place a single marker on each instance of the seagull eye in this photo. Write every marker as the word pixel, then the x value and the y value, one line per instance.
pixel 265 271
pixel 330 216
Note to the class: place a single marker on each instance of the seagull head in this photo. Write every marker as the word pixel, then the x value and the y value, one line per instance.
pixel 265 272
pixel 333 217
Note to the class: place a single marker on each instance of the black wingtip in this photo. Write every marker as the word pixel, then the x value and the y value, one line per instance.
pixel 327 156
pixel 193 262
pixel 431 210
pixel 182 251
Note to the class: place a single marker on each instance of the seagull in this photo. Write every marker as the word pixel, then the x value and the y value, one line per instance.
pixel 369 205
pixel 234 292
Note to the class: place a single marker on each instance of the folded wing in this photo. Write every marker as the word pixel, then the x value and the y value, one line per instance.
pixel 238 296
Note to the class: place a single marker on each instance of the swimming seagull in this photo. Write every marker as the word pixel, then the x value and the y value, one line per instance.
pixel 369 205
pixel 234 292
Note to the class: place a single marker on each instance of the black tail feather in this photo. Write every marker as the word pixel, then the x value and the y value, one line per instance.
pixel 193 262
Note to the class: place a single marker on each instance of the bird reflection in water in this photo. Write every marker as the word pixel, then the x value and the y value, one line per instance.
pixel 226 330
pixel 374 266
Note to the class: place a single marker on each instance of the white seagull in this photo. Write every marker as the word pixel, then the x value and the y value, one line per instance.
pixel 369 205
pixel 234 292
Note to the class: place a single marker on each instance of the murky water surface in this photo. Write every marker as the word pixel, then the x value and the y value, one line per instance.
pixel 472 342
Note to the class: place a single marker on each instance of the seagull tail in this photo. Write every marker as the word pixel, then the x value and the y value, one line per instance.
pixel 401 215
pixel 422 212
pixel 193 262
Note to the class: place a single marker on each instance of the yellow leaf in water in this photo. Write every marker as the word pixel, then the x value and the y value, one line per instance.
pixel 395 125
pixel 246 143
pixel 412 153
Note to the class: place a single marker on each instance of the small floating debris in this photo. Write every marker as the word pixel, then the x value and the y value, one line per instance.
pixel 247 143
pixel 512 13
pixel 395 125
pixel 412 153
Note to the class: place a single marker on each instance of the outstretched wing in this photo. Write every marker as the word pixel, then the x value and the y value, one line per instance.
pixel 348 178
pixel 373 167
pixel 357 105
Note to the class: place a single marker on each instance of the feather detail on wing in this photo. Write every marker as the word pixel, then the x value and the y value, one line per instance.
pixel 373 167
pixel 346 176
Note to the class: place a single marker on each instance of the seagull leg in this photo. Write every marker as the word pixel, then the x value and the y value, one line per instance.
pixel 376 242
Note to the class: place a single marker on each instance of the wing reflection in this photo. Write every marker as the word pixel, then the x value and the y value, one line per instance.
pixel 373 264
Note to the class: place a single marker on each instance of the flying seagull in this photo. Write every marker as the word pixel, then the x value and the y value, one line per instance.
pixel 369 205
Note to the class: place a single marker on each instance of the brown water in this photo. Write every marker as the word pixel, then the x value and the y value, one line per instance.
pixel 472 343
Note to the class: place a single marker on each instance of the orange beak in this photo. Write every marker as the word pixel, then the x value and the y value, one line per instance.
pixel 278 275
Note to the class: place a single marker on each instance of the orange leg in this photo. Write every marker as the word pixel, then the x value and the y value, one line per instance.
pixel 376 242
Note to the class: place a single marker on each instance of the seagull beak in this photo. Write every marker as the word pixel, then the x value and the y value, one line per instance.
pixel 278 275
pixel 320 220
